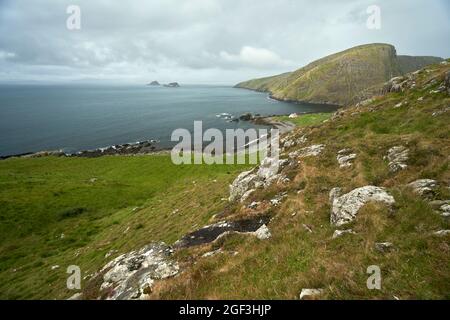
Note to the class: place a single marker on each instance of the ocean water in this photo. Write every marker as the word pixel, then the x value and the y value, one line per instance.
pixel 73 118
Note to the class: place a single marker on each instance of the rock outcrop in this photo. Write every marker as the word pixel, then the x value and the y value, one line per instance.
pixel 132 275
pixel 345 158
pixel 424 187
pixel 256 178
pixel 208 234
pixel 345 208
pixel 310 293
pixel 397 157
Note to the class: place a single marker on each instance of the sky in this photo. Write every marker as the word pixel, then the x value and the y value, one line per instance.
pixel 202 41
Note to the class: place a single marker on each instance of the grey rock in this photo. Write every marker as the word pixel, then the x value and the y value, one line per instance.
pixel 262 177
pixel 311 151
pixel 383 246
pixel 263 233
pixel 345 158
pixel 129 275
pixel 442 233
pixel 345 208
pixel 310 293
pixel 424 187
pixel 397 157
pixel 340 233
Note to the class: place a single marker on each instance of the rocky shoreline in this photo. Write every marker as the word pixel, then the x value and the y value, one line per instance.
pixel 146 147
pixel 131 149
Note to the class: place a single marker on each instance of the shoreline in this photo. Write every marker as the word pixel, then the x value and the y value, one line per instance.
pixel 146 147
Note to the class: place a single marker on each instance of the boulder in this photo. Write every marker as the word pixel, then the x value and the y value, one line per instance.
pixel 345 158
pixel 424 187
pixel 310 293
pixel 345 208
pixel 263 233
pixel 383 246
pixel 246 117
pixel 131 275
pixel 264 176
pixel 311 151
pixel 397 157
pixel 340 233
pixel 442 233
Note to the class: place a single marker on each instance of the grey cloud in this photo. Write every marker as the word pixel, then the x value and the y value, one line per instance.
pixel 202 40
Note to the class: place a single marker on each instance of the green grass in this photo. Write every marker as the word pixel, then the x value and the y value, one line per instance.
pixel 62 211
pixel 306 119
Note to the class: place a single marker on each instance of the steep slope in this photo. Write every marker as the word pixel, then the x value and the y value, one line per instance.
pixel 339 78
pixel 372 152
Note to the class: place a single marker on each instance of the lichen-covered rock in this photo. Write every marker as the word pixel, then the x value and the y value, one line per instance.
pixel 242 184
pixel 311 151
pixel 263 233
pixel 264 176
pixel 345 158
pixel 442 233
pixel 397 157
pixel 310 293
pixel 345 208
pixel 383 246
pixel 131 275
pixel 424 187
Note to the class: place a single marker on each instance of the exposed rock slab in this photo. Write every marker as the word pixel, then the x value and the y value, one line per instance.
pixel 398 157
pixel 210 233
pixel 261 177
pixel 311 151
pixel 310 293
pixel 345 208
pixel 345 158
pixel 424 187
pixel 131 275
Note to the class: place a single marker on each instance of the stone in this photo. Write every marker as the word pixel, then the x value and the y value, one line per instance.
pixel 445 209
pixel 241 185
pixel 340 233
pixel 310 293
pixel 211 253
pixel 397 157
pixel 311 151
pixel 442 233
pixel 263 233
pixel 254 205
pixel 345 208
pixel 130 275
pixel 55 267
pixel 424 187
pixel 262 177
pixel 293 116
pixel 345 158
pixel 383 246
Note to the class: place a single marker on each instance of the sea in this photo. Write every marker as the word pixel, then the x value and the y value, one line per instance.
pixel 72 118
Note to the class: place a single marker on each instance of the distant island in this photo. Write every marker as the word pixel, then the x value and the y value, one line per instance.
pixel 172 85
pixel 168 85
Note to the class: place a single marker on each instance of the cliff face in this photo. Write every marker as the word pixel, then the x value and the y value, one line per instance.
pixel 339 78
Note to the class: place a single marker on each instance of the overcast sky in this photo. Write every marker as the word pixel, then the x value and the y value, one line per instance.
pixel 202 41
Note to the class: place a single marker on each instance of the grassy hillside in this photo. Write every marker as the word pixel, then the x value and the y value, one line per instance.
pixel 339 78
pixel 63 211
pixel 302 253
